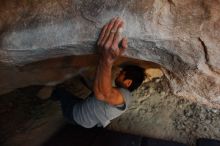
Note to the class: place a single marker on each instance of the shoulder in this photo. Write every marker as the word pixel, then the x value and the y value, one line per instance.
pixel 117 96
pixel 122 95
pixel 126 94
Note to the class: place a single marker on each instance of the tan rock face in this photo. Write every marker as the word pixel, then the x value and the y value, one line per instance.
pixel 181 36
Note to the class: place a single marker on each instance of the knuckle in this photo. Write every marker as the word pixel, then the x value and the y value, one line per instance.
pixel 106 46
pixel 114 47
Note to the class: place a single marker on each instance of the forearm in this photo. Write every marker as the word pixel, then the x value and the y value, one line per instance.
pixel 103 79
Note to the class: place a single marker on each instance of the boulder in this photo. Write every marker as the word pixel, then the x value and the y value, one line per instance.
pixel 49 41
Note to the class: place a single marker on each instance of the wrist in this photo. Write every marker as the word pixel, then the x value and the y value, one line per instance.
pixel 107 60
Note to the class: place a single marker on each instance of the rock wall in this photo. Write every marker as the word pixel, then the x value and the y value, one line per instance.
pixel 181 36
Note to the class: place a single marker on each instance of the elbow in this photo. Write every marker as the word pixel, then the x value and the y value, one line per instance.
pixel 98 94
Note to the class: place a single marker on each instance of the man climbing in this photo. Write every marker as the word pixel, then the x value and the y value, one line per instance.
pixel 107 102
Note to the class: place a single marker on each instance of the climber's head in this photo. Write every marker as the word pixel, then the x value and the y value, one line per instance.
pixel 130 77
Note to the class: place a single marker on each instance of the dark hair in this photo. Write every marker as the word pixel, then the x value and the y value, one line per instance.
pixel 134 73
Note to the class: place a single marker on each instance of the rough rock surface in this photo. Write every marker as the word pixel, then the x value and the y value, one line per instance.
pixel 155 112
pixel 181 36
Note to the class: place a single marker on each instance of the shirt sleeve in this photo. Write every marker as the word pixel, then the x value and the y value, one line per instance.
pixel 126 95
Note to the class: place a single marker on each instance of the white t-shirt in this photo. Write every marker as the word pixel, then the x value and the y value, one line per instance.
pixel 92 111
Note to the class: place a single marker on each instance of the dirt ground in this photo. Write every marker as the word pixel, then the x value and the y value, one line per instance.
pixel 155 112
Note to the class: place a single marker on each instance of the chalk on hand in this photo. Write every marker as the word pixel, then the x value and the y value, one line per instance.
pixel 120 30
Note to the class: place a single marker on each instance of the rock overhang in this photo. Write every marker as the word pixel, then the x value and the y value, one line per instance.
pixel 173 34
